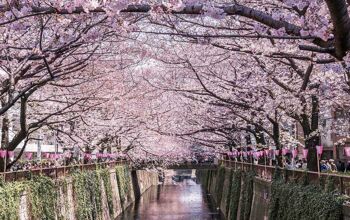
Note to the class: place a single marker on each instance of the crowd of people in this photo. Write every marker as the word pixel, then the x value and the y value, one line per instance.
pixel 44 163
pixel 299 163
pixel 329 165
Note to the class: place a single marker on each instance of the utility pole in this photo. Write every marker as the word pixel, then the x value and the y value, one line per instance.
pixel 39 139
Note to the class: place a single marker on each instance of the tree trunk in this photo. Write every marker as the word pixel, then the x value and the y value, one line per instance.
pixel 260 137
pixel 5 132
pixel 4 135
pixel 312 155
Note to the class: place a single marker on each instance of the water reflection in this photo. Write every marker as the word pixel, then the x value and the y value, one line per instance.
pixel 178 199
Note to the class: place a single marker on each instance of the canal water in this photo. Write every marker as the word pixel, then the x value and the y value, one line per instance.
pixel 180 198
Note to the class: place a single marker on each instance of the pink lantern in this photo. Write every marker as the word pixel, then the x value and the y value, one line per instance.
pixel 11 154
pixel 285 151
pixel 294 153
pixel 260 154
pixel 244 154
pixel 319 149
pixel 87 156
pixel 3 153
pixel 277 152
pixel 28 155
pixel 267 153
pixel 347 151
pixel 305 153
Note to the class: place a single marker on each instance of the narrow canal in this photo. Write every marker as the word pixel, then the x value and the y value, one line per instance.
pixel 179 198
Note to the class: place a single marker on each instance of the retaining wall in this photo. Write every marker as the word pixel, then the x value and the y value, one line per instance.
pixel 242 197
pixel 104 199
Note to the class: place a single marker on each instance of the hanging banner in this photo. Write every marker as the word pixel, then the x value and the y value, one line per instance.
pixel 319 149
pixel 67 154
pixel 3 153
pixel 347 151
pixel 52 156
pixel 285 151
pixel 46 155
pixel 11 154
pixel 28 155
pixel 267 153
pixel 305 153
pixel 294 153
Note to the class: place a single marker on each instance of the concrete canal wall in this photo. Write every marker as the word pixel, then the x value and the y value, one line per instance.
pixel 101 194
pixel 242 195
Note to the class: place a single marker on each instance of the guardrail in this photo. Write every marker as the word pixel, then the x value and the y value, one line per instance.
pixel 56 172
pixel 192 166
pixel 341 182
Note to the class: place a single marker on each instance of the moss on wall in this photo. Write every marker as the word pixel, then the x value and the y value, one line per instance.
pixel 105 175
pixel 246 194
pixel 219 184
pixel 124 184
pixel 226 192
pixel 10 196
pixel 234 194
pixel 295 201
pixel 87 195
pixel 47 199
pixel 42 197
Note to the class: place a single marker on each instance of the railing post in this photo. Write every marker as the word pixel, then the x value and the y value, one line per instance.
pixel 342 191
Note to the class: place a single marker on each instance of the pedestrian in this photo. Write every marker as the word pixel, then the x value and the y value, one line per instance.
pixel 347 169
pixel 299 164
pixel 323 166
pixel 333 167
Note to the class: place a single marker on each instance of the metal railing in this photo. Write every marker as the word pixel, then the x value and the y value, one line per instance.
pixel 341 182
pixel 205 165
pixel 56 172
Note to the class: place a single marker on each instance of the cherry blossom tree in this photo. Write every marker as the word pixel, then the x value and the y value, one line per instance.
pixel 206 71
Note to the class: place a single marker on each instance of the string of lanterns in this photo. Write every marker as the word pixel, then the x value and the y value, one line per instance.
pixel 271 153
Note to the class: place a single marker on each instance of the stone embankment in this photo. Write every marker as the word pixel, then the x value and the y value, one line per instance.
pixel 98 194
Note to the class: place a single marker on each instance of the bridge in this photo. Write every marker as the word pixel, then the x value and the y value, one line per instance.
pixel 193 166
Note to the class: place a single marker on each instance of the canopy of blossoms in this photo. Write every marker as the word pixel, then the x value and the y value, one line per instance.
pixel 157 77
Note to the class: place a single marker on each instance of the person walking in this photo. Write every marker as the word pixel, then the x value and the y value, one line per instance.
pixel 332 165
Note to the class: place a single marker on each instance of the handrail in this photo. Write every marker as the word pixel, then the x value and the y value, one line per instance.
pixel 341 182
pixel 56 172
